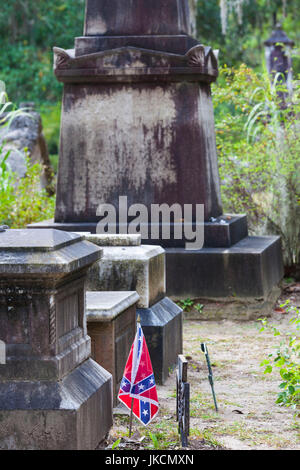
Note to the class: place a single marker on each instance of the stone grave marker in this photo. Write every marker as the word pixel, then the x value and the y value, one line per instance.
pixel 52 395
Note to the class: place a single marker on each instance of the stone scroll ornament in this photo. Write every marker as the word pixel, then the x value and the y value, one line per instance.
pixel 183 400
pixel 62 58
pixel 138 388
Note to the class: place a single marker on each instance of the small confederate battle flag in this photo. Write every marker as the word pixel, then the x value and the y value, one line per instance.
pixel 138 383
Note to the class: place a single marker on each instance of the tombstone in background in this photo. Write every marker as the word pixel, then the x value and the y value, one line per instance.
pixel 26 132
pixel 137 120
pixel 278 56
pixel 52 395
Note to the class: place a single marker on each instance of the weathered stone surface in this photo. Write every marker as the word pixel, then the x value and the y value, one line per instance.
pixel 113 240
pixel 2 352
pixel 156 25
pixel 131 268
pixel 44 252
pixel 140 138
pixel 51 394
pixel 111 318
pixel 42 318
pixel 126 72
pixel 73 414
pixel 179 44
pixel 137 17
pixel 234 308
pixel 107 306
pixel 26 132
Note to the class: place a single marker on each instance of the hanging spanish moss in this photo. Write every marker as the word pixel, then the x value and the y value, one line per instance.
pixel 231 5
pixel 227 6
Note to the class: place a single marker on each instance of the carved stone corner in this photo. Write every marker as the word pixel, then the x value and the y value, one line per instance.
pixel 196 56
pixel 202 56
pixel 61 58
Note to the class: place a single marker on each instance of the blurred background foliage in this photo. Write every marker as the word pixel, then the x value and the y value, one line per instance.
pixel 244 40
pixel 29 29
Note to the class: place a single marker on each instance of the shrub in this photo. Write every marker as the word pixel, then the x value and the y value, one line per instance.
pixel 259 155
pixel 287 359
pixel 21 200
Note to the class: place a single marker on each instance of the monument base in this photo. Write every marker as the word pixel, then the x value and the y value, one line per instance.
pixel 72 414
pixel 222 231
pixel 248 270
pixel 162 327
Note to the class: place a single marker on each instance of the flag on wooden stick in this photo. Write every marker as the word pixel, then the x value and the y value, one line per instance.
pixel 138 389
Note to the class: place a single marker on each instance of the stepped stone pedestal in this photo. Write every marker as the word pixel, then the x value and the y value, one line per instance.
pixel 111 320
pixel 52 395
pixel 238 282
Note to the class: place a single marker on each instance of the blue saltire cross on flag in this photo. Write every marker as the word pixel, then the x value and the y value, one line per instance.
pixel 138 383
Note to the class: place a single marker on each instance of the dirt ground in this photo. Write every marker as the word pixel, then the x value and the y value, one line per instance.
pixel 248 417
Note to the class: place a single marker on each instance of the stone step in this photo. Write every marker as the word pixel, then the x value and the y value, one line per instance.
pixel 246 272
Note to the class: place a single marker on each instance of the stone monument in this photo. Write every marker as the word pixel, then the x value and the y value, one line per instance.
pixel 278 48
pixel 137 121
pixel 52 395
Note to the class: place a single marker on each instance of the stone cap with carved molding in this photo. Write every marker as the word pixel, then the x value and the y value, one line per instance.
pixel 44 252
pixel 132 64
pixel 106 306
pixel 279 36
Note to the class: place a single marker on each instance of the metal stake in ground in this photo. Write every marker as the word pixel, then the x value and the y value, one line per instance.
pixel 210 374
pixel 183 400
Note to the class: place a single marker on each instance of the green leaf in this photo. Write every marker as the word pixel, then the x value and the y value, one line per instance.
pixel 116 444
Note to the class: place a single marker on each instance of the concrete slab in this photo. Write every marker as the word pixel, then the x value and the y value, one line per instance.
pixel 106 306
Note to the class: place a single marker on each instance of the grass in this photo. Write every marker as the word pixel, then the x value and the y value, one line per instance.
pixel 236 350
